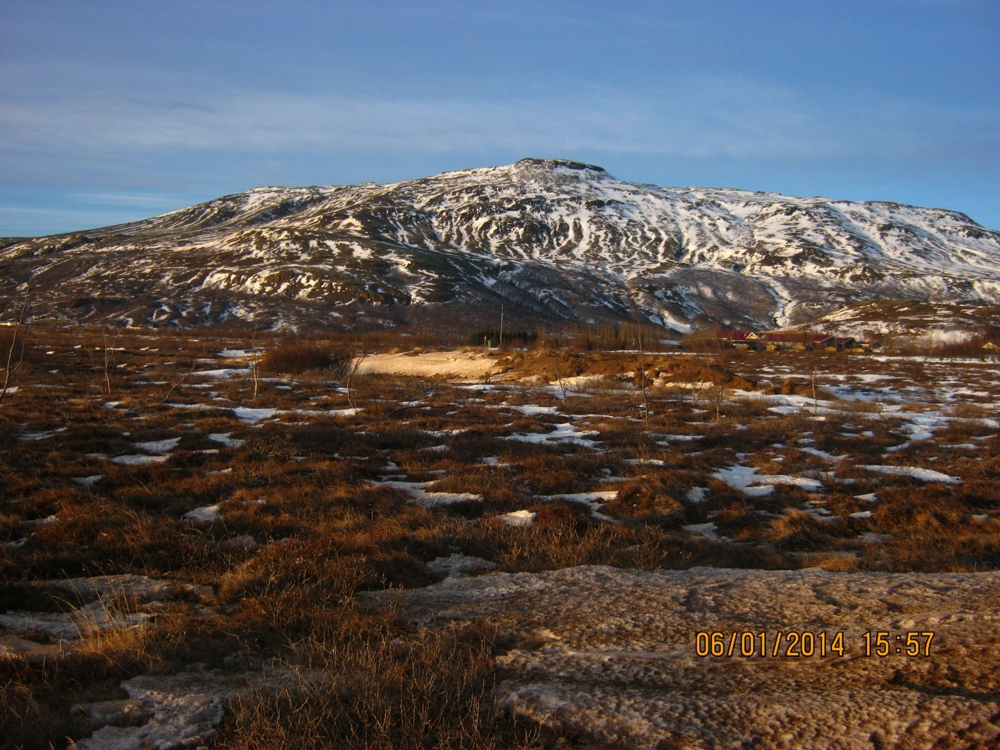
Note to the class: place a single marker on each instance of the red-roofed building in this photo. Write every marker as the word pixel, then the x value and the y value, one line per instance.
pixel 734 335
pixel 785 340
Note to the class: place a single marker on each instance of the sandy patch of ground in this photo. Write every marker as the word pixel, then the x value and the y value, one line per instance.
pixel 431 364
pixel 612 655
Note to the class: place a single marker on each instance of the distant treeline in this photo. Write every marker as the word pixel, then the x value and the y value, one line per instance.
pixel 492 337
pixel 604 337
pixel 585 337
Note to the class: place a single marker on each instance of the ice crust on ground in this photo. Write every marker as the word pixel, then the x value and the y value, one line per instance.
pixel 160 447
pixel 225 439
pixel 100 611
pixel 204 514
pixel 252 416
pixel 707 530
pixel 593 500
pixel 88 481
pixel 224 372
pixel 459 565
pixel 697 494
pixel 532 410
pixel 183 709
pixel 417 491
pixel 926 475
pixel 139 459
pixel 563 433
pixel 746 480
pixel 621 668
pixel 519 518
pixel 68 626
pixel 105 587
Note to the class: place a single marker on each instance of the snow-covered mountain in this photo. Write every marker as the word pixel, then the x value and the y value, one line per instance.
pixel 552 240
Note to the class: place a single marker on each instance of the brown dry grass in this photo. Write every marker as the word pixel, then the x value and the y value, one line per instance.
pixel 304 486
pixel 380 687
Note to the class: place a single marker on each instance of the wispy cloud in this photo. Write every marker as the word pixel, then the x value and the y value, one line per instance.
pixel 702 117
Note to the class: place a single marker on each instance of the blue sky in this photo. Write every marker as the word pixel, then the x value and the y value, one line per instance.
pixel 112 111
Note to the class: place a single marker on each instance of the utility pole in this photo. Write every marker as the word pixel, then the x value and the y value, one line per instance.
pixel 500 345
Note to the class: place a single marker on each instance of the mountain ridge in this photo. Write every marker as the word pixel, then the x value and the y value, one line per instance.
pixel 554 240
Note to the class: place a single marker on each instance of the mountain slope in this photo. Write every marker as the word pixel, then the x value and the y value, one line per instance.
pixel 553 240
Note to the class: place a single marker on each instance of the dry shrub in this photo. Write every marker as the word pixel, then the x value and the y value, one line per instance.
pixel 545 473
pixel 472 446
pixel 738 521
pixel 688 369
pixel 801 532
pixel 499 488
pixel 837 563
pixel 564 536
pixel 919 507
pixel 295 359
pixel 268 446
pixel 972 347
pixel 966 410
pixel 970 548
pixel 392 436
pixel 322 436
pixel 645 499
pixel 930 529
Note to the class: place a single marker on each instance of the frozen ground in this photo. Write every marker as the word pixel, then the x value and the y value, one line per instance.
pixel 885 464
pixel 609 655
pixel 169 712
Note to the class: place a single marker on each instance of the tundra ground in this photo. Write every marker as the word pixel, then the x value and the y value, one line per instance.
pixel 198 516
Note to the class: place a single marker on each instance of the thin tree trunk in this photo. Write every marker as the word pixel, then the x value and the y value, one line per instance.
pixel 352 368
pixel 254 367
pixel 178 384
pixel 721 396
pixel 642 365
pixel 109 348
pixel 9 369
pixel 815 402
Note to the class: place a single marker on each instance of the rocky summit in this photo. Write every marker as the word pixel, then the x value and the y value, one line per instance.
pixel 551 240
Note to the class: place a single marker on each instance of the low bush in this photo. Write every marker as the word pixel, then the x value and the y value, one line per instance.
pixel 295 359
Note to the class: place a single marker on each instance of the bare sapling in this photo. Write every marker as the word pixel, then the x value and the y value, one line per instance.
pixel 353 364
pixel 642 364
pixel 559 376
pixel 179 383
pixel 10 366
pixel 813 379
pixel 720 391
pixel 110 333
pixel 254 364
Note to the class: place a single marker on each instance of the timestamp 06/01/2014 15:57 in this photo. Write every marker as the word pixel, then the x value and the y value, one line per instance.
pixel 798 644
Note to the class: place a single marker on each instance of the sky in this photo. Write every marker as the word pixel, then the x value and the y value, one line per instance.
pixel 112 111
